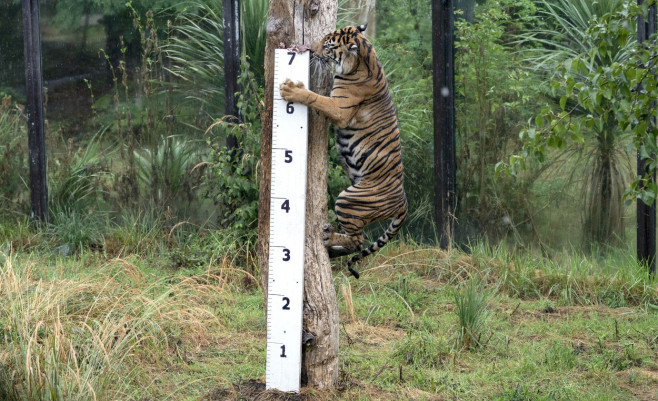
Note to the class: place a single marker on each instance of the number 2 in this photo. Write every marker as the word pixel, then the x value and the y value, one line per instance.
pixel 286 305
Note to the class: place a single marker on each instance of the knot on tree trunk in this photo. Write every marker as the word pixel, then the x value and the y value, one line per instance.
pixel 313 7
pixel 308 339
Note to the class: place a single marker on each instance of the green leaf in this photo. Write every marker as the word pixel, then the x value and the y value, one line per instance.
pixel 563 102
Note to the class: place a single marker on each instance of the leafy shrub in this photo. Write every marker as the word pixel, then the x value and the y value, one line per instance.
pixel 168 172
pixel 495 96
pixel 80 177
pixel 232 180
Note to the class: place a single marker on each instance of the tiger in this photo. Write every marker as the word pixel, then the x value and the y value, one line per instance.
pixel 367 139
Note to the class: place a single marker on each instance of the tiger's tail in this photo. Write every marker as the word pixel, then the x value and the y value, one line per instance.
pixel 392 229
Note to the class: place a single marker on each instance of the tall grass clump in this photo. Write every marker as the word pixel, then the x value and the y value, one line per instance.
pixel 93 337
pixel 421 348
pixel 471 302
pixel 613 277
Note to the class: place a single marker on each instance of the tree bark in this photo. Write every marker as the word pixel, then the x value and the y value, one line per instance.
pixel 304 22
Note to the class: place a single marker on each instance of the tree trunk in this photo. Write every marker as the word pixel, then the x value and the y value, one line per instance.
pixel 304 22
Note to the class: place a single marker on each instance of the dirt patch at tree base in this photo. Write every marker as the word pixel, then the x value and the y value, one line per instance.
pixel 253 390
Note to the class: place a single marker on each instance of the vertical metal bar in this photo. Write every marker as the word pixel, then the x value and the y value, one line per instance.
pixel 646 214
pixel 231 17
pixel 444 119
pixel 35 118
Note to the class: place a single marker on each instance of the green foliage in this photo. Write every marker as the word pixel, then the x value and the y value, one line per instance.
pixel 13 154
pixel 232 180
pixel 82 173
pixel 403 45
pixel 605 93
pixel 582 54
pixel 254 15
pixel 495 93
pixel 170 172
pixel 196 49
pixel 196 52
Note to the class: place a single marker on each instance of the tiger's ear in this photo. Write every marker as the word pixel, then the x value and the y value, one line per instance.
pixel 362 28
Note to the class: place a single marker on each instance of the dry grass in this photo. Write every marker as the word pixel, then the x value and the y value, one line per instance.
pixel 89 338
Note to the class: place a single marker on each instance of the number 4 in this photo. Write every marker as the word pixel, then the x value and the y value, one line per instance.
pixel 286 206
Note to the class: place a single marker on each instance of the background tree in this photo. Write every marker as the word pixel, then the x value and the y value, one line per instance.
pixel 291 23
pixel 601 154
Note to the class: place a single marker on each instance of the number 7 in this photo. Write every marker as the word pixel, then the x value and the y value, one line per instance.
pixel 291 58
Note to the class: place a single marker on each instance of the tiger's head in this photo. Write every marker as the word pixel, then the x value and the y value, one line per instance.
pixel 346 47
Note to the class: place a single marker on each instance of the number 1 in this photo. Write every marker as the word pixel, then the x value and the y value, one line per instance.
pixel 283 351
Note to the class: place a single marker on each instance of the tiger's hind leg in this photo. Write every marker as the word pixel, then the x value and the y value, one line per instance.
pixel 341 244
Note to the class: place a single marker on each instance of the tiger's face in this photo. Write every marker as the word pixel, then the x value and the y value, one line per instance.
pixel 341 47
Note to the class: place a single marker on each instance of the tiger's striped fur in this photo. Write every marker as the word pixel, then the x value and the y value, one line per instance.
pixel 367 138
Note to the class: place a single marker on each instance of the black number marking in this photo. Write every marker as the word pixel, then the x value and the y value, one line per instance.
pixel 286 205
pixel 289 108
pixel 283 351
pixel 288 156
pixel 286 254
pixel 286 306
pixel 291 58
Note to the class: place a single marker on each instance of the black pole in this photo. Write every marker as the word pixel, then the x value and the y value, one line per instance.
pixel 444 119
pixel 231 17
pixel 35 122
pixel 646 214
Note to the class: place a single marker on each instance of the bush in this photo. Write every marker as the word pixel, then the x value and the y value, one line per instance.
pixel 14 195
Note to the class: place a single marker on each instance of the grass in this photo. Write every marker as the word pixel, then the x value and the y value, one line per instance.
pixel 133 323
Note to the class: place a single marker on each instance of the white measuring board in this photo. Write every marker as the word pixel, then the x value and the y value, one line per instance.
pixel 287 227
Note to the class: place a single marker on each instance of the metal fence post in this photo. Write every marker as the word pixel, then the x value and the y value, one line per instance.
pixel 444 119
pixel 231 17
pixel 646 214
pixel 35 117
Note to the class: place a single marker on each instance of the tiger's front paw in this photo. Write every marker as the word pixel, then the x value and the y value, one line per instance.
pixel 292 92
